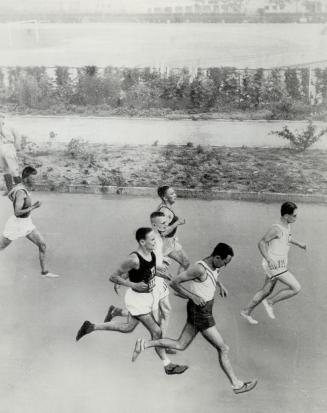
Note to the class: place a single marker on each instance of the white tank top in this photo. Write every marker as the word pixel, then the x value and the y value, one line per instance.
pixel 205 289
pixel 281 245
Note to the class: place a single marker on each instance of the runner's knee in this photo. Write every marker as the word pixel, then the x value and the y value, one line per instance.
pixel 181 345
pixel 156 332
pixel 224 349
pixel 296 288
pixel 42 246
pixel 128 328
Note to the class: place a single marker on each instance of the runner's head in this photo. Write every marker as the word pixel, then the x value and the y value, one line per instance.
pixel 222 255
pixel 28 175
pixel 288 211
pixel 158 221
pixel 146 238
pixel 167 194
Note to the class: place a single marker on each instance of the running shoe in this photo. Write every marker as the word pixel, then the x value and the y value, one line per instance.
pixel 48 274
pixel 269 309
pixel 87 328
pixel 247 386
pixel 248 318
pixel 175 369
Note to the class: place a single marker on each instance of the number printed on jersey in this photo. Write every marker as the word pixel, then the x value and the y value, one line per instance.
pixel 280 264
pixel 152 281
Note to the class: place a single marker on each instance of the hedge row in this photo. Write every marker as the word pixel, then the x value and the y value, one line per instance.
pixel 220 88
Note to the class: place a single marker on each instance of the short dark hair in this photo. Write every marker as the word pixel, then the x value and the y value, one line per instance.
pixel 162 190
pixel 27 171
pixel 156 214
pixel 223 250
pixel 288 208
pixel 141 233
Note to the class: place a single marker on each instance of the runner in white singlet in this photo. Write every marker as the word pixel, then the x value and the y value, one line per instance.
pixel 198 284
pixel 274 247
pixel 20 223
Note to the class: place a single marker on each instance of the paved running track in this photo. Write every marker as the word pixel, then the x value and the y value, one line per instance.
pixel 43 369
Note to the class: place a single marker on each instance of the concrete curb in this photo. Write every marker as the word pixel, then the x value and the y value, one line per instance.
pixel 208 194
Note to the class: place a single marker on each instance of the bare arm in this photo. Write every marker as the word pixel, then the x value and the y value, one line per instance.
pixel 163 272
pixel 194 272
pixel 19 205
pixel 271 234
pixel 298 244
pixel 169 216
pixel 120 276
pixel 223 292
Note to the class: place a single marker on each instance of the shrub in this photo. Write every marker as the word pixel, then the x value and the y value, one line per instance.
pixel 76 148
pixel 301 140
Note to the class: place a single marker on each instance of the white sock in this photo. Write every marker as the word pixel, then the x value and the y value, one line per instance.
pixel 166 362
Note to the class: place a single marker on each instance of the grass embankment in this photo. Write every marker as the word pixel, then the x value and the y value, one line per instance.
pixel 238 169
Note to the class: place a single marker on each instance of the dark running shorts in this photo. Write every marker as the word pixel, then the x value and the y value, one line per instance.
pixel 200 317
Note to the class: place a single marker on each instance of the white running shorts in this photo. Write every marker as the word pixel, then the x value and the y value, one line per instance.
pixel 18 227
pixel 140 303
pixel 281 267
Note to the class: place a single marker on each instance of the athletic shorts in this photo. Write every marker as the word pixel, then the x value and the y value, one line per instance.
pixel 18 227
pixel 140 303
pixel 281 267
pixel 169 245
pixel 8 159
pixel 199 317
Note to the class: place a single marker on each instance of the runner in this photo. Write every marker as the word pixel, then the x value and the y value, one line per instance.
pixel 9 144
pixel 171 247
pixel 20 224
pixel 137 273
pixel 162 311
pixel 274 247
pixel 202 281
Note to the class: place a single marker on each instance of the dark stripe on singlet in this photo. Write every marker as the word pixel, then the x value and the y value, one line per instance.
pixel 174 219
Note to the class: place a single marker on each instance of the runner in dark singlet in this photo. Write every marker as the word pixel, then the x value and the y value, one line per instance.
pixel 172 248
pixel 20 224
pixel 137 273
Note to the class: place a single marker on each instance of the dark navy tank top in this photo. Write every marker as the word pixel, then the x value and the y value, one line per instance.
pixel 174 219
pixel 146 272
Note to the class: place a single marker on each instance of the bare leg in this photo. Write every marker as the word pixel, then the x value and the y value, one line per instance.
pixel 114 311
pixel 184 340
pixel 150 324
pixel 164 315
pixel 119 326
pixel 4 242
pixel 38 240
pixel 213 336
pixel 293 288
pixel 260 295
pixel 122 326
pixel 181 258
